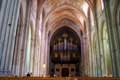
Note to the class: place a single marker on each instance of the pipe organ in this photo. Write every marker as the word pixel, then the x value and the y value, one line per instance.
pixel 65 49
pixel 65 54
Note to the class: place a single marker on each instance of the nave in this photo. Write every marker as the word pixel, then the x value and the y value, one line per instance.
pixel 60 38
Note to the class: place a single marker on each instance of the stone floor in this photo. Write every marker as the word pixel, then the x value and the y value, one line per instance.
pixel 58 78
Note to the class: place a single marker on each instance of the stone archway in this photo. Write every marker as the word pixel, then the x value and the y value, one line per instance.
pixel 65 53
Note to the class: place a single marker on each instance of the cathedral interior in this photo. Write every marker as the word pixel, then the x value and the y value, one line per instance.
pixel 64 38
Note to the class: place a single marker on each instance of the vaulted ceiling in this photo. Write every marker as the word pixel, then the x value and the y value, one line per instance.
pixel 74 11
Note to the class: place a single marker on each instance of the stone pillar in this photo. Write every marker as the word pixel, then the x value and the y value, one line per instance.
pixel 42 53
pixel 2 13
pixel 40 46
pixel 103 56
pixel 115 15
pixel 112 38
pixel 98 59
pixel 4 31
pixel 89 42
pixel 48 55
pixel 12 34
pixel 46 52
pixel 94 61
pixel 20 45
pixel 25 37
pixel 8 32
pixel 84 55
pixel 18 50
pixel 32 50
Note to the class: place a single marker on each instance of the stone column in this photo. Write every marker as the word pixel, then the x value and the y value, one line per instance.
pixel 4 31
pixel 2 13
pixel 12 34
pixel 42 52
pixel 115 15
pixel 20 45
pixel 99 71
pixel 40 46
pixel 25 37
pixel 8 32
pixel 111 36
pixel 46 52
pixel 89 41
pixel 48 55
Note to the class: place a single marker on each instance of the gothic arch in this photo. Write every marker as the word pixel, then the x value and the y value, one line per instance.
pixel 68 30
pixel 62 8
pixel 60 20
pixel 69 26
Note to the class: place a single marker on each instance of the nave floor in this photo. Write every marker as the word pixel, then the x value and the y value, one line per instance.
pixel 58 78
